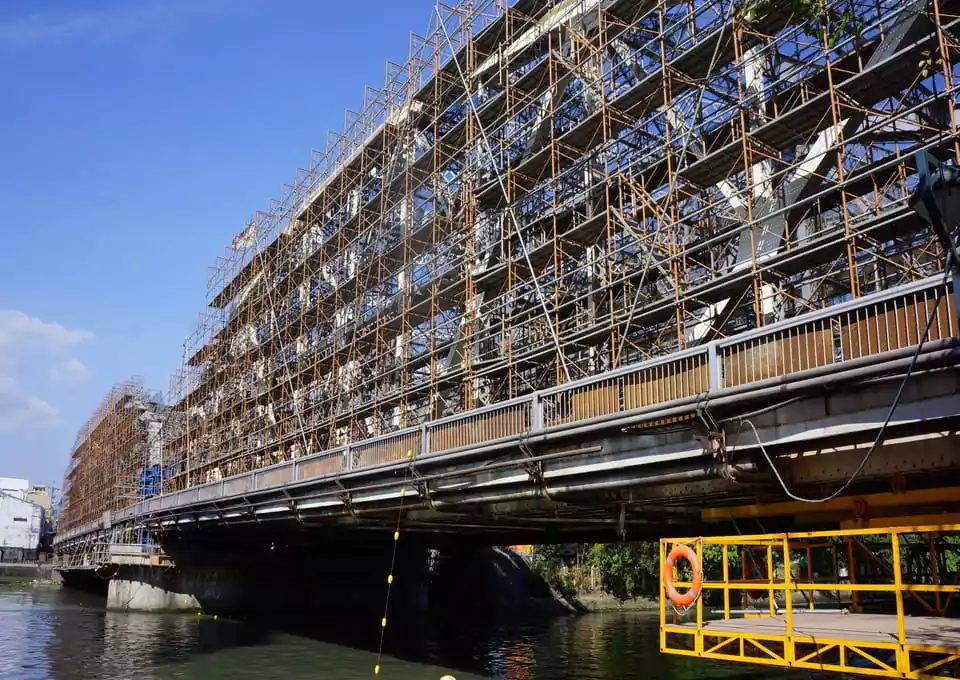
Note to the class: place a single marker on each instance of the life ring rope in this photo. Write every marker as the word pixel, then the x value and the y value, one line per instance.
pixel 682 600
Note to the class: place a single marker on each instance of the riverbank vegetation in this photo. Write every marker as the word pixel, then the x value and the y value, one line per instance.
pixel 630 571
pixel 617 575
pixel 625 571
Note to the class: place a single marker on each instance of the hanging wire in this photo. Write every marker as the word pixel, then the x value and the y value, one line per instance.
pixel 881 433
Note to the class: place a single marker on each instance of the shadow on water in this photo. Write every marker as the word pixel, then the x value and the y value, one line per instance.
pixel 56 634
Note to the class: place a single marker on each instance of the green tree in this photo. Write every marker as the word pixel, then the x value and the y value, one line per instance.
pixel 627 570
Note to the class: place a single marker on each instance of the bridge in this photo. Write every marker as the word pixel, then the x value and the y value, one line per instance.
pixel 663 436
pixel 684 441
pixel 579 270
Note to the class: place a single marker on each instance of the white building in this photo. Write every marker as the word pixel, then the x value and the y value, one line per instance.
pixel 14 487
pixel 21 522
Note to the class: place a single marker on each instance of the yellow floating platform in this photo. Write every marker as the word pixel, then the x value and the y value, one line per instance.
pixel 805 601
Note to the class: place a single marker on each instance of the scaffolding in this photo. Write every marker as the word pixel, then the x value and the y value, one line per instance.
pixel 547 190
pixel 878 602
pixel 116 461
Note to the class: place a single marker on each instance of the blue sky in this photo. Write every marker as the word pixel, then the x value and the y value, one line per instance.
pixel 136 138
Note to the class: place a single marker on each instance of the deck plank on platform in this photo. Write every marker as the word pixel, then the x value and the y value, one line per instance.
pixel 866 628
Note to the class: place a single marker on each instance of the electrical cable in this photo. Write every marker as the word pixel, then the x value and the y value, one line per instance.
pixel 883 427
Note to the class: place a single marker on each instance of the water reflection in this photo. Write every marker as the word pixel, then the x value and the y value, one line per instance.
pixel 57 634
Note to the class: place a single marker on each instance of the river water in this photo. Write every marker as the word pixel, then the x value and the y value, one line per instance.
pixel 55 633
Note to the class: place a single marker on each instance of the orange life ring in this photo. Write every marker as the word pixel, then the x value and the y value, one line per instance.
pixel 688 598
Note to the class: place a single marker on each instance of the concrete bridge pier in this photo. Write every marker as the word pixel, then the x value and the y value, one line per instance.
pixel 250 573
pixel 317 575
pixel 153 588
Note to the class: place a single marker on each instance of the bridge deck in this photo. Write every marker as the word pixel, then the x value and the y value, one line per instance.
pixel 869 628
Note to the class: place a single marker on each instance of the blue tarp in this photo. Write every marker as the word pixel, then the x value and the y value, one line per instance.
pixel 150 480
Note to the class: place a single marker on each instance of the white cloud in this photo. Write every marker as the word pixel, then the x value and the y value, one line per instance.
pixel 20 411
pixel 128 20
pixel 70 370
pixel 17 328
pixel 26 339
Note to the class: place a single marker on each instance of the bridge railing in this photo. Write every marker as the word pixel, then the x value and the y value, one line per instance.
pixel 871 325
pixel 481 426
pixel 659 381
pixel 887 321
pixel 324 464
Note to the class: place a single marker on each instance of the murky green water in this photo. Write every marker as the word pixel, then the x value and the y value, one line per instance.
pixel 51 633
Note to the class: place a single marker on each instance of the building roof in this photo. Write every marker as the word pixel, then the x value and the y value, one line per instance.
pixel 14 484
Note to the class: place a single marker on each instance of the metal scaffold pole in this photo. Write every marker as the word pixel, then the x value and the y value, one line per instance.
pixel 544 191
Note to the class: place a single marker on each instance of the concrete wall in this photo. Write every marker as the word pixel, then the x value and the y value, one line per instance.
pixel 302 572
pixel 21 572
pixel 259 571
pixel 239 591
pixel 84 580
pixel 491 580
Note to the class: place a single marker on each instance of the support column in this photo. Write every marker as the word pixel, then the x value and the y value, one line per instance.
pixel 146 588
